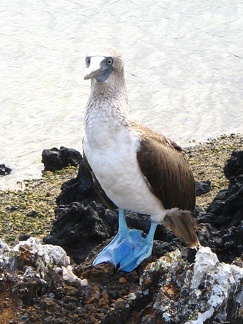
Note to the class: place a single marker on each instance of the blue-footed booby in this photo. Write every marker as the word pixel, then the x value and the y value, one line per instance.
pixel 132 167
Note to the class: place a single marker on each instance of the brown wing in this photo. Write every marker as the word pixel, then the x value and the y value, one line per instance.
pixel 97 185
pixel 167 171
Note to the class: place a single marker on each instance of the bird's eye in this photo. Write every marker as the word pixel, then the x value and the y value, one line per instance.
pixel 87 60
pixel 109 61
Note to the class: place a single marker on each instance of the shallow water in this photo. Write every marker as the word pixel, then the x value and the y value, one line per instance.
pixel 184 71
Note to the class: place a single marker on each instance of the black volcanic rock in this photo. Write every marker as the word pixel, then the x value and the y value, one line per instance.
pixel 234 166
pixel 202 187
pixel 225 214
pixel 4 170
pixel 55 159
pixel 78 228
pixel 79 189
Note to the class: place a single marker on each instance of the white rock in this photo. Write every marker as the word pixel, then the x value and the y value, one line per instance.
pixel 50 254
pixel 205 261
pixel 4 247
pixel 4 253
pixel 68 275
pixel 222 280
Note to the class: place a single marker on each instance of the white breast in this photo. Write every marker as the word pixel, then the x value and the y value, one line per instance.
pixel 113 159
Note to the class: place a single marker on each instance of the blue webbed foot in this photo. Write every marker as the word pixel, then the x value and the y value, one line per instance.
pixel 128 248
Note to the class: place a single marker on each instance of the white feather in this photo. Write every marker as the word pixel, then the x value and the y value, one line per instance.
pixel 113 158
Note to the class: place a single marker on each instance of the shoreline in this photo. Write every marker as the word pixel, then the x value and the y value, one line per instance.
pixel 30 211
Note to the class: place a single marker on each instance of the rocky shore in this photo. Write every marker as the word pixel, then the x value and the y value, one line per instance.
pixel 55 282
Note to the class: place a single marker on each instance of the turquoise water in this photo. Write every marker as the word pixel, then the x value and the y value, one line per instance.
pixel 184 71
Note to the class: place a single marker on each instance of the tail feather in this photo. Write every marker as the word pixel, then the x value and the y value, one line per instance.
pixel 183 225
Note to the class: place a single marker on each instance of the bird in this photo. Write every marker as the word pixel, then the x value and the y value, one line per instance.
pixel 133 167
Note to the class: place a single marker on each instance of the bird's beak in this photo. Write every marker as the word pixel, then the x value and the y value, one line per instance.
pixel 95 68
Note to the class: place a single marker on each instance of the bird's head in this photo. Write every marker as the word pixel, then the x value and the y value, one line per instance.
pixel 103 63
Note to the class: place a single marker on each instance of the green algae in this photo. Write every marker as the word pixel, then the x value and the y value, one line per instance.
pixel 31 211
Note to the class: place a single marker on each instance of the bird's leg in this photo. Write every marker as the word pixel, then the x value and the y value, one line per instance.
pixel 115 250
pixel 128 248
pixel 122 221
pixel 150 236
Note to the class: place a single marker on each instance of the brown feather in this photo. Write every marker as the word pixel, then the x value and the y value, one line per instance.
pixel 165 166
pixel 183 225
pixel 166 169
pixel 101 193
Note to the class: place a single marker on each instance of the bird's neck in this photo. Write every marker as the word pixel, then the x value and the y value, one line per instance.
pixel 106 112
pixel 108 100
